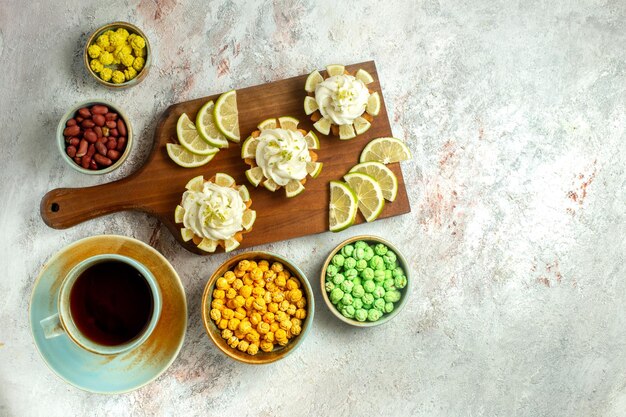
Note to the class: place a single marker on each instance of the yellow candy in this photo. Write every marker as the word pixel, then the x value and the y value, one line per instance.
pixel 219 294
pixel 239 334
pixel 269 336
pixel 256 274
pixel 233 323
pixel 137 42
pixel 223 324
pixel 219 304
pixel 259 303
pixel 280 280
pixel 271 286
pixel 106 58
pixel 253 337
pixel 231 304
pixel 229 275
pixel 231 293
pixel 253 265
pixel 239 272
pixel 118 77
pixel 243 345
pixel 221 283
pixel 267 346
pixel 258 291
pixel 264 265
pixel 106 74
pixel 123 33
pixel 280 334
pixel 216 315
pixel 227 334
pixel 292 284
pixel 301 303
pixel 291 310
pixel 296 322
pixel 253 349
pixel 300 313
pixel 269 276
pixel 233 342
pixel 277 267
pixel 96 65
pixel 138 63
pixel 247 280
pixel 268 317
pixel 285 324
pixel 237 284
pixel 272 307
pixel 283 342
pixel 278 296
pixel 240 301
pixel 255 318
pixel 274 326
pixel 228 314
pixel 249 302
pixel 103 41
pixel 245 291
pixel 94 51
pixel 296 329
pixel 281 316
pixel 245 327
pixel 283 306
pixel 139 52
pixel 116 39
pixel 240 313
pixel 243 265
pixel 263 328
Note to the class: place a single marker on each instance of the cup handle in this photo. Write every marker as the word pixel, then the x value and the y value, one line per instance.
pixel 52 326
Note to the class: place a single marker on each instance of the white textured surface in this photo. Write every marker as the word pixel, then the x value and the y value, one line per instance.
pixel 515 114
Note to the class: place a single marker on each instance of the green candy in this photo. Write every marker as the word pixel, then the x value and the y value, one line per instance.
pixel 360 314
pixel 347 286
pixel 379 292
pixel 338 279
pixel 335 295
pixel 388 274
pixel 390 257
pixel 347 250
pixel 359 253
pixel 357 303
pixel 369 253
pixel 331 270
pixel 360 244
pixel 349 263
pixel 357 280
pixel 400 282
pixel 347 300
pixel 348 311
pixel 358 291
pixel 379 305
pixel 380 249
pixel 389 284
pixel 368 299
pixel 361 264
pixel 351 274
pixel 374 315
pixel 397 272
pixel 368 306
pixel 377 263
pixel 379 276
pixel 369 286
pixel 329 286
pixel 338 260
pixel 388 307
pixel 392 296
pixel 367 274
pixel 390 266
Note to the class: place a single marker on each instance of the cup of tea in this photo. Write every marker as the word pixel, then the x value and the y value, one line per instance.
pixel 107 304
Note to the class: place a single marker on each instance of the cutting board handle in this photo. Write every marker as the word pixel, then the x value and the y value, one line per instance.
pixel 65 207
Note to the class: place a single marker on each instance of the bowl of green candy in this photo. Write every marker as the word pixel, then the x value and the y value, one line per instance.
pixel 365 281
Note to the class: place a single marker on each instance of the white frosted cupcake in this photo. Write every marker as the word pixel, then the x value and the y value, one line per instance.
pixel 281 156
pixel 215 213
pixel 341 103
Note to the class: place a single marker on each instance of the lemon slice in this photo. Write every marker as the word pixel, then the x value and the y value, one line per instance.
pixel 224 180
pixel 361 125
pixel 244 193
pixel 186 159
pixel 343 206
pixel 208 245
pixel 369 194
pixel 179 214
pixel 249 216
pixel 226 115
pixel 230 244
pixel 373 104
pixel 270 184
pixel 293 188
pixel 207 129
pixel 312 81
pixel 383 176
pixel 254 175
pixel 187 234
pixel 195 183
pixel 267 124
pixel 335 69
pixel 189 138
pixel 310 105
pixel 248 149
pixel 314 168
pixel 385 150
pixel 322 126
pixel 312 142
pixel 346 132
pixel 364 76
pixel 288 123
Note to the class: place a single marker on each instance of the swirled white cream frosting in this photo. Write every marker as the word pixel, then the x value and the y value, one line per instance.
pixel 282 155
pixel 342 98
pixel 215 212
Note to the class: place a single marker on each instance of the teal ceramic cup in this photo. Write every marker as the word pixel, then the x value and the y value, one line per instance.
pixel 62 323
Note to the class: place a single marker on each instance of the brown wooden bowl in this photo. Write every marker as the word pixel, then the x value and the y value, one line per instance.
pixel 215 333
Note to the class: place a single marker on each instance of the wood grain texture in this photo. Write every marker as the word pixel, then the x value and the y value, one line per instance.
pixel 156 188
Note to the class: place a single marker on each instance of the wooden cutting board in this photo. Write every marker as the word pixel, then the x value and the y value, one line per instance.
pixel 156 188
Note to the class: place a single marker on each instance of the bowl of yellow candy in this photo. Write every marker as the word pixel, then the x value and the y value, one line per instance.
pixel 118 55
pixel 257 307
